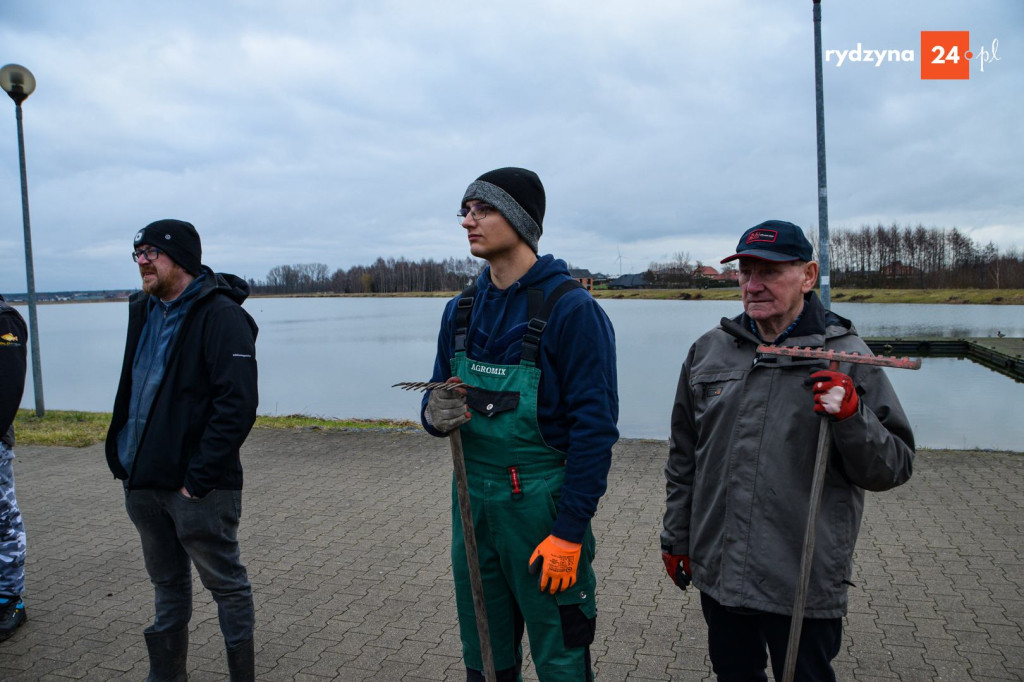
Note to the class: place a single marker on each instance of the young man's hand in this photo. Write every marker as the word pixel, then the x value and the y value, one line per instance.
pixel 557 560
pixel 446 408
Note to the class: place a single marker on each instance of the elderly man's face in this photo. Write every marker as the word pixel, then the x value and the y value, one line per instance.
pixel 773 293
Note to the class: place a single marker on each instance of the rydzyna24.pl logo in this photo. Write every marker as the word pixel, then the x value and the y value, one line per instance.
pixel 945 55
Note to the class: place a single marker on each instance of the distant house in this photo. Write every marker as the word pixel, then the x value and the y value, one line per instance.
pixel 583 277
pixel 732 275
pixel 707 272
pixel 629 282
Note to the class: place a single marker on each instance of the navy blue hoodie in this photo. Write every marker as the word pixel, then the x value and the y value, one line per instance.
pixel 577 402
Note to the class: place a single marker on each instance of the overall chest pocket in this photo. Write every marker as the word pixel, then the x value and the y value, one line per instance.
pixel 490 403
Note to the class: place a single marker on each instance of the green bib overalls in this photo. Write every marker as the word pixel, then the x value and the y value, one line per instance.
pixel 515 481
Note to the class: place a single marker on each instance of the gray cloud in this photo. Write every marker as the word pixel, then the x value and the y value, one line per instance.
pixel 340 132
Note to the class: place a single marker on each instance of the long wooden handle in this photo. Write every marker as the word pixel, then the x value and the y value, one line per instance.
pixel 472 558
pixel 807 559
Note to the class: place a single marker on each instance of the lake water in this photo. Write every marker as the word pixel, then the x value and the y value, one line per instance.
pixel 338 357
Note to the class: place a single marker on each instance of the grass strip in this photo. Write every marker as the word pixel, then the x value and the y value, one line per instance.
pixel 78 429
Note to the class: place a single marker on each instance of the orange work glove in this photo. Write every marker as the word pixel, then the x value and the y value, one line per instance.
pixel 557 560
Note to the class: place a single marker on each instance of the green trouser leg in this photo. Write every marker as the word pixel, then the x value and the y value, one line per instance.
pixel 560 627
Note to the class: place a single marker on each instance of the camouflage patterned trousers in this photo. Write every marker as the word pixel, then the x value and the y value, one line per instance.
pixel 12 530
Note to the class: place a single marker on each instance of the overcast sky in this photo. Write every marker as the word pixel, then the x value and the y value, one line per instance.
pixel 338 131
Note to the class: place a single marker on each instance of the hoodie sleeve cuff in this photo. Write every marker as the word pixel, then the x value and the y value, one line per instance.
pixel 570 529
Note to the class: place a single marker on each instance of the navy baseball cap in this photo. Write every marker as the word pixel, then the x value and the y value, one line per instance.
pixel 774 240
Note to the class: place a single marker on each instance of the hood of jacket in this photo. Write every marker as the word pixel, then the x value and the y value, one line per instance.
pixel 500 315
pixel 232 286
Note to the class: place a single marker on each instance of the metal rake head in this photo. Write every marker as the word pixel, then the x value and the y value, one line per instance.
pixel 426 385
pixel 840 356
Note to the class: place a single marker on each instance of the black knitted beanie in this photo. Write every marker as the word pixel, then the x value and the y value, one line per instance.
pixel 518 194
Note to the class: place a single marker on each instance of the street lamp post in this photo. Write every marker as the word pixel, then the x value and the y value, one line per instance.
pixel 824 259
pixel 18 82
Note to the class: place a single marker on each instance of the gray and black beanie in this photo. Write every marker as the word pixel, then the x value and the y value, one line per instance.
pixel 177 239
pixel 518 194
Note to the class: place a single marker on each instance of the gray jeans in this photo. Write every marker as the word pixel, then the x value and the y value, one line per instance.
pixel 176 530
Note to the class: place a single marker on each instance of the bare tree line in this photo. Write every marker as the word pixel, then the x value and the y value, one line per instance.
pixel 920 257
pixel 871 257
pixel 383 276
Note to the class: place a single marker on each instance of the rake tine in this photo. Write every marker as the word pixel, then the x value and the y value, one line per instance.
pixel 842 356
pixel 426 385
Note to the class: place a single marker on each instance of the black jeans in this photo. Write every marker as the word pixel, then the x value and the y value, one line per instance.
pixel 737 643
pixel 176 530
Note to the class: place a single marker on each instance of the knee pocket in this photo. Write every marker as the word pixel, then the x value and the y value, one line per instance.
pixel 577 628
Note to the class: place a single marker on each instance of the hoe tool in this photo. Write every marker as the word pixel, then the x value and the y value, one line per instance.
pixel 468 533
pixel 820 462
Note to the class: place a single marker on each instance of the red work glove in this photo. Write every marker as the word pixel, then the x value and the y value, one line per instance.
pixel 557 560
pixel 834 394
pixel 678 567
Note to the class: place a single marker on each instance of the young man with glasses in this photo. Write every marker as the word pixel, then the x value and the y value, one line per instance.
pixel 13 360
pixel 537 426
pixel 185 404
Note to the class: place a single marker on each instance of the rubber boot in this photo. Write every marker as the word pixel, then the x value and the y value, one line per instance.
pixel 242 662
pixel 168 652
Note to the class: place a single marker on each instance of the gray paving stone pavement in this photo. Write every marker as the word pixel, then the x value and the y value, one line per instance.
pixel 346 540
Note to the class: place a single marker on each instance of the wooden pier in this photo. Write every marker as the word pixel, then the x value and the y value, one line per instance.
pixel 1004 355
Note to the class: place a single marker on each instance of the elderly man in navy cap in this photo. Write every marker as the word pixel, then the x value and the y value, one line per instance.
pixel 185 404
pixel 741 458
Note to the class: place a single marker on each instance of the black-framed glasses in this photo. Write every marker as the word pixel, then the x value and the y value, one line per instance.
pixel 151 254
pixel 478 212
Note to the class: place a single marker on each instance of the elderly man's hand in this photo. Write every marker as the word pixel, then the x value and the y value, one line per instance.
pixel 446 408
pixel 678 568
pixel 834 394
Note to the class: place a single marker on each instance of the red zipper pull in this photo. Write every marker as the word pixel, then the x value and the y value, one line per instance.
pixel 517 491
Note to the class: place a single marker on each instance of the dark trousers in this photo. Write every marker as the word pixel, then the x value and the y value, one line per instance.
pixel 739 643
pixel 175 531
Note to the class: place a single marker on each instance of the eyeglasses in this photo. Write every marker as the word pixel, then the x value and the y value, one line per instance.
pixel 151 254
pixel 478 212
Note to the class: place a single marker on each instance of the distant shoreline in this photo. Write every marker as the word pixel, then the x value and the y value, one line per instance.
pixel 926 296
pixel 839 295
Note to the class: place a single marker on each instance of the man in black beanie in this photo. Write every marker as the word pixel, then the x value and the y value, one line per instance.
pixel 537 430
pixel 185 403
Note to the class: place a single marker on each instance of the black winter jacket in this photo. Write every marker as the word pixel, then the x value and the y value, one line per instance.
pixel 13 361
pixel 206 403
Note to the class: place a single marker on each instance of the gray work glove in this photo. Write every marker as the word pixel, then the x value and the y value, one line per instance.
pixel 446 408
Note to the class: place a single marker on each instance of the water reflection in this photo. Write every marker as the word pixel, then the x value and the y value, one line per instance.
pixel 338 358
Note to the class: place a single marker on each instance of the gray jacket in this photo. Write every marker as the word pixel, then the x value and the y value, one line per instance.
pixel 741 458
